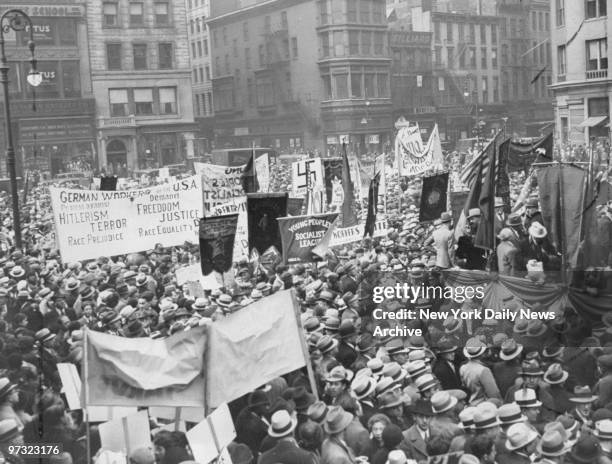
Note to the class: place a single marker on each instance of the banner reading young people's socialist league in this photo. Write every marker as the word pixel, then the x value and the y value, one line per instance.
pixel 93 223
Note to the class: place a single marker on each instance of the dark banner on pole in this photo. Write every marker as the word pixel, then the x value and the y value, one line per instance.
pixel 457 202
pixel 301 234
pixel 520 155
pixel 332 168
pixel 108 183
pixel 433 197
pixel 217 236
pixel 263 210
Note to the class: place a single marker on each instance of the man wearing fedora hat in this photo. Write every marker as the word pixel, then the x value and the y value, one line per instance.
pixel 603 387
pixel 444 367
pixel 415 438
pixel 286 451
pixel 556 377
pixel 467 255
pixel 252 423
pixel 603 433
pixel 537 247
pixel 444 421
pixel 476 376
pixel 531 214
pixel 521 444
pixel 443 240
pixel 552 448
pixel 583 400
pixel 334 449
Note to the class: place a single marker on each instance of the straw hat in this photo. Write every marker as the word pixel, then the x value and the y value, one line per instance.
pixel 520 435
pixel 281 424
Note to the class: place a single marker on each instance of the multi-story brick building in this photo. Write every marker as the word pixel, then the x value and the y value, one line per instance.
pixel 198 12
pixel 580 63
pixel 141 76
pixel 301 74
pixel 59 135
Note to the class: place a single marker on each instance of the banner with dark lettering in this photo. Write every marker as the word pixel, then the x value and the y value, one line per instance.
pixel 217 243
pixel 221 184
pixel 121 371
pixel 263 211
pixel 300 234
pixel 94 223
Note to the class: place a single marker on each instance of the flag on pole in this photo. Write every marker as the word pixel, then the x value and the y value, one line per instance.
pixel 349 218
pixel 485 236
pixel 372 206
pixel 217 236
pixel 249 176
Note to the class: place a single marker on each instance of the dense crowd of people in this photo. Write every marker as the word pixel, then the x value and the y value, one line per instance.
pixel 467 393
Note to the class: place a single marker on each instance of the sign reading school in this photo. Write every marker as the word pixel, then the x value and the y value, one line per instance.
pixel 92 223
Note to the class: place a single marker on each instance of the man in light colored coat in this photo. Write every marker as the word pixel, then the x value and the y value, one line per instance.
pixel 443 239
pixel 506 253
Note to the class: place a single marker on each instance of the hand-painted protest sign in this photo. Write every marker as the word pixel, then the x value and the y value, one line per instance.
pixel 262 168
pixel 413 158
pixel 241 243
pixel 220 184
pixel 93 223
pixel 299 178
pixel 300 234
pixel 344 235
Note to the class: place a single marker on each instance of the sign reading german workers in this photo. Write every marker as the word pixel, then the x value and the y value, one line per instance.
pixel 92 223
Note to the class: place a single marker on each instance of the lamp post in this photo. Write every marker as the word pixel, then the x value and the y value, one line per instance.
pixel 17 21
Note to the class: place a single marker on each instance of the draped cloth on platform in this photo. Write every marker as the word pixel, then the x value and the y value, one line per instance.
pixel 562 202
pixel 554 297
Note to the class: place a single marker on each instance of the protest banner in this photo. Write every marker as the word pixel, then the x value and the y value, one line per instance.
pixel 332 168
pixel 413 158
pixel 262 168
pixel 212 435
pixel 294 206
pixel 71 385
pixel 241 242
pixel 299 176
pixel 126 434
pixel 183 414
pixel 344 235
pixel 90 223
pixel 122 371
pixel 300 234
pixel 220 184
pixel 191 273
pixel 433 197
pixel 263 211
pixel 217 243
pixel 253 346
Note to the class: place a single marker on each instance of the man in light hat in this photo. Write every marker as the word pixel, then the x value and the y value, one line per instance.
pixel 521 443
pixel 286 450
pixel 537 247
pixel 583 400
pixel 468 256
pixel 334 449
pixel 476 376
pixel 603 433
pixel 500 215
pixel 506 253
pixel 443 240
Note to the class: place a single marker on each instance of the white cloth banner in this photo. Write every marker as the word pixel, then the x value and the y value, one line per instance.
pixel 220 184
pixel 241 242
pixel 299 181
pixel 262 168
pixel 412 157
pixel 344 235
pixel 91 223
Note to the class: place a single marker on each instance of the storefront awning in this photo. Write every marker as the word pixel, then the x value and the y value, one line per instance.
pixel 593 121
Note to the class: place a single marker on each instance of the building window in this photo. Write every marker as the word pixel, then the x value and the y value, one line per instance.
pixel 136 16
pixel 207 69
pixel 338 43
pixel 449 32
pixel 118 99
pixel 485 90
pixel 560 12
pixel 369 81
pixel 165 55
pixel 110 14
pixel 161 14
pixel 495 89
pixel 198 26
pixel 472 54
pixel 265 91
pixel 597 54
pixel 327 88
pixel 441 84
pixel 462 59
pixel 143 98
pixel 262 56
pixel 461 27
pixel 294 48
pixel 561 60
pixel 284 22
pixel 483 34
pixel 323 12
pixel 227 64
pixel 341 84
pixel 472 34
pixel 167 100
pixel 379 43
pixel 596 8
pixel 195 76
pixel 494 58
pixel 113 56
pixel 191 26
pixel 598 106
pixel 286 54
pixel 483 58
pixel 193 49
pixel 71 79
pixel 351 11
pixel 366 43
pixel 382 81
pixel 205 46
pixel 354 42
pixel 247 58
pixel 494 34
pixel 437 32
pixel 140 56
pixel 364 11
pixel 356 88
